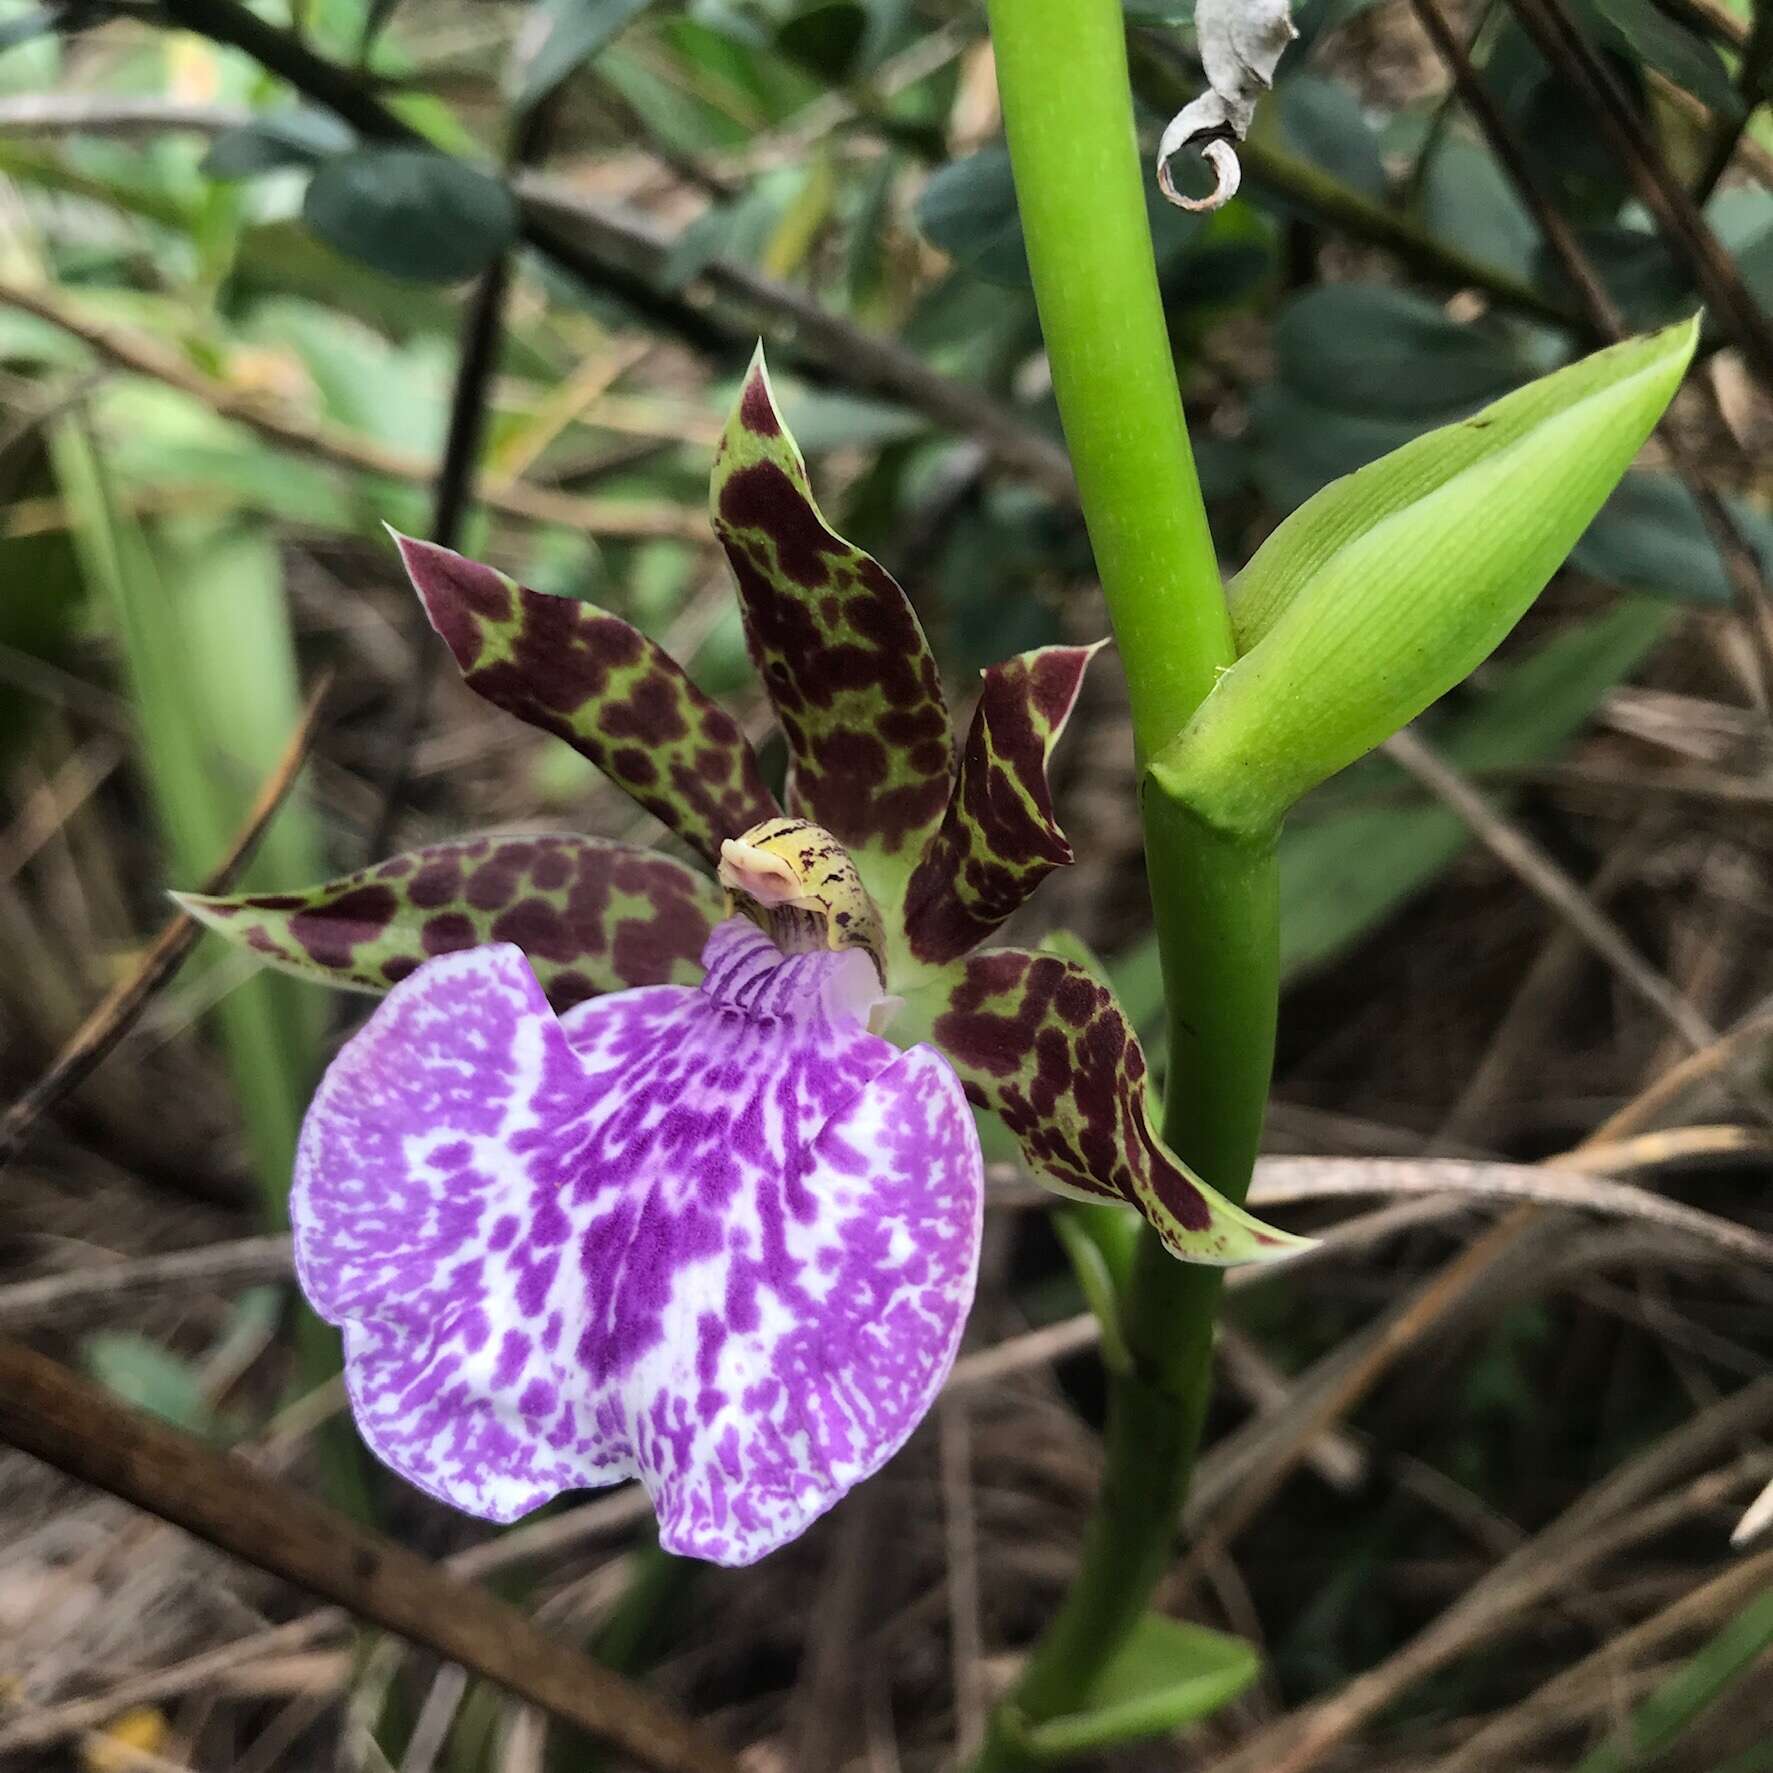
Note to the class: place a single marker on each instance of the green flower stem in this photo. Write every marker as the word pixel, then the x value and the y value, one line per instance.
pixel 1068 113
pixel 1062 72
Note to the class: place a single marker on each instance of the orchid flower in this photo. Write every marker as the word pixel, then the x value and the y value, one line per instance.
pixel 627 1176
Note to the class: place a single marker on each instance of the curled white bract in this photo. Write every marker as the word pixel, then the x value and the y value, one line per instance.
pixel 1218 154
pixel 1241 41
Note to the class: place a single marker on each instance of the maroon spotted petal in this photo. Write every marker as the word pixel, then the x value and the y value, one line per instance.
pixel 596 681
pixel 590 916
pixel 840 649
pixel 1000 837
pixel 1042 1042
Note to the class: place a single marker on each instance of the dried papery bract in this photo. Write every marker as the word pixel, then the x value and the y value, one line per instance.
pixel 1241 41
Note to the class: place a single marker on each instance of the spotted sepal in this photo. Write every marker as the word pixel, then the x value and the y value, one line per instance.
pixel 590 916
pixel 837 643
pixel 1000 837
pixel 1043 1043
pixel 596 681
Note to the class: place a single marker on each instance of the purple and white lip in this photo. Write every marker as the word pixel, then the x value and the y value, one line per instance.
pixel 719 1238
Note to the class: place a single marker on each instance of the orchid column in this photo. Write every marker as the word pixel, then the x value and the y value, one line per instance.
pixel 1080 187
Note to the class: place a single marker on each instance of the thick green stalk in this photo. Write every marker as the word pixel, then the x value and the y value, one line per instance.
pixel 1068 114
pixel 1062 73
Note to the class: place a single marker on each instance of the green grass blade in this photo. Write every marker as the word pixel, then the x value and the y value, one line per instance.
pixel 204 636
pixel 206 653
pixel 1706 1676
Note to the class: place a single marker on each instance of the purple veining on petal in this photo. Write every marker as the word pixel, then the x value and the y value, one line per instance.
pixel 722 1239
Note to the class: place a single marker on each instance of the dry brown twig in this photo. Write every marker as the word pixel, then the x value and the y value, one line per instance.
pixel 1244 1472
pixel 960 1523
pixel 1561 42
pixel 114 1016
pixel 231 1666
pixel 1588 1686
pixel 75 1426
pixel 1544 985
pixel 282 425
pixel 1510 845
pixel 1329 1391
pixel 1284 1181
pixel 1742 567
pixel 102 1286
pixel 1629 1507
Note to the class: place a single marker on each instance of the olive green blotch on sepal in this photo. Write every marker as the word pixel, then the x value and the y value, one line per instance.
pixel 1391 586
pixel 1000 836
pixel 1042 1042
pixel 590 916
pixel 838 645
pixel 594 680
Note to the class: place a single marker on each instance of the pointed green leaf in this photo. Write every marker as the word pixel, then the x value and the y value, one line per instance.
pixel 151 1378
pixel 1333 520
pixel 1641 30
pixel 1000 837
pixel 591 916
pixel 1040 1041
pixel 592 679
pixel 838 645
pixel 291 136
pixel 1381 593
pixel 206 644
pixel 1166 1675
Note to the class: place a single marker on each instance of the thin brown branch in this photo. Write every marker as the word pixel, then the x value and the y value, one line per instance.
pixel 798 321
pixel 228 1664
pixel 856 358
pixel 1628 1508
pixel 75 1426
pixel 1512 156
pixel 1719 1060
pixel 116 1013
pixel 1288 1180
pixel 457 483
pixel 1543 988
pixel 1562 43
pixel 1336 1457
pixel 1518 852
pixel 53 803
pixel 1742 566
pixel 1161 76
pixel 1731 131
pixel 1241 1475
pixel 103 1286
pixel 1561 1701
pixel 624 519
pixel 606 243
pixel 53 113
pixel 961 1534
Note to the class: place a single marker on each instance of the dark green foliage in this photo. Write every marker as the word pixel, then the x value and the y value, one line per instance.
pixel 411 213
pixel 574 31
